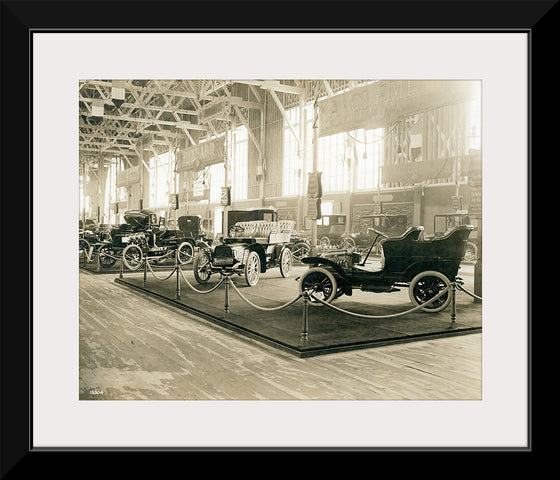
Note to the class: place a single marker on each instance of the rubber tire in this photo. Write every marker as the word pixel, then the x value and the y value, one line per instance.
pixel 252 259
pixel 348 243
pixel 188 246
pixel 328 275
pixel 447 297
pixel 471 253
pixel 196 265
pixel 286 270
pixel 84 248
pixel 303 247
pixel 136 251
pixel 107 262
pixel 324 242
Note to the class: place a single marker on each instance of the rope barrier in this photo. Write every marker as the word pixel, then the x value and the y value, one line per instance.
pixel 202 291
pixel 460 287
pixel 266 309
pixel 153 273
pixel 361 315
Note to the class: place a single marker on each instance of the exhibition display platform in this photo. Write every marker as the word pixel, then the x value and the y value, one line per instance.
pixel 275 313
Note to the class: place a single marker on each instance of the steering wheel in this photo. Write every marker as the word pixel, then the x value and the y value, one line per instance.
pixel 235 229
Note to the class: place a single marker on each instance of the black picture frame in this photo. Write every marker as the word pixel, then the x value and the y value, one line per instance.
pixel 21 19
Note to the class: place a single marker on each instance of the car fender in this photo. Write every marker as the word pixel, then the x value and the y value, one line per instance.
pixel 321 261
pixel 421 266
pixel 257 247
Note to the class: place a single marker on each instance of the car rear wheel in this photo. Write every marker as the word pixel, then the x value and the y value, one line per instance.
pixel 107 256
pixel 348 244
pixel 471 252
pixel 318 282
pixel 202 267
pixel 324 242
pixel 300 250
pixel 185 253
pixel 427 285
pixel 286 261
pixel 252 269
pixel 132 256
pixel 84 248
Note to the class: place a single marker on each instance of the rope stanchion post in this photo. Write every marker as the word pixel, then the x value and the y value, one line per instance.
pixel 226 303
pixel 178 285
pixel 453 305
pixel 145 271
pixel 121 269
pixel 305 325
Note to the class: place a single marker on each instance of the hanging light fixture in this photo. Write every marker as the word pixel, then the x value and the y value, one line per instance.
pixel 118 92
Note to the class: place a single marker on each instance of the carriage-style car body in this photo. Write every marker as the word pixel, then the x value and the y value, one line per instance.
pixel 252 248
pixel 444 222
pixel 143 236
pixel 426 267
pixel 192 229
pixel 390 224
pixel 331 230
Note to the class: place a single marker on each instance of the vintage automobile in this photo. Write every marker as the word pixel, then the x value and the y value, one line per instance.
pixel 144 236
pixel 444 222
pixel 426 267
pixel 331 231
pixel 191 227
pixel 390 224
pixel 299 243
pixel 300 246
pixel 268 214
pixel 251 248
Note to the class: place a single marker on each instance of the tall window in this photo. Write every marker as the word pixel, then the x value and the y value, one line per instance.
pixel 217 178
pixel 293 166
pixel 369 151
pixel 336 156
pixel 239 163
pixel 161 179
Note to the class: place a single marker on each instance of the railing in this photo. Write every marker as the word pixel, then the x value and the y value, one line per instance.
pixel 305 296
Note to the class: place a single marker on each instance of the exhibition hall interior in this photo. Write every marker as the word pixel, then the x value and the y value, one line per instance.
pixel 280 239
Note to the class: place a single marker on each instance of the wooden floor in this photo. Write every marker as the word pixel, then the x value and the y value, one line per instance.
pixel 135 347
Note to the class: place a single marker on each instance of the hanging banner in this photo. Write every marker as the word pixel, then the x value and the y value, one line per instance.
pixel 91 188
pixel 415 172
pixel 202 155
pixel 381 103
pixel 128 177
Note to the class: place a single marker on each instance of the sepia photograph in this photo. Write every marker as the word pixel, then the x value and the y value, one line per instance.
pixel 230 228
pixel 308 250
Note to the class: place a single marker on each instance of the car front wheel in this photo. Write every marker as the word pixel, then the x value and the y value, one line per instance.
pixel 202 267
pixel 286 262
pixel 320 283
pixel 132 256
pixel 252 269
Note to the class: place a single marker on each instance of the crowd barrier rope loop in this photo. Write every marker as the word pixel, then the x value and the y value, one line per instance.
pixel 305 296
pixel 362 315
pixel 463 289
pixel 266 309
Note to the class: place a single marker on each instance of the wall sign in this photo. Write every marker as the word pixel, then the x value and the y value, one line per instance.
pixel 226 196
pixel 381 103
pixel 202 155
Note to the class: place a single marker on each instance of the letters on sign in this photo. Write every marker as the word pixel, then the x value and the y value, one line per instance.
pixel 202 155
pixel 381 103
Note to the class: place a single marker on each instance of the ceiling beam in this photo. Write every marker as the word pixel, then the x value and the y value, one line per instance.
pixel 108 101
pixel 284 114
pixel 274 85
